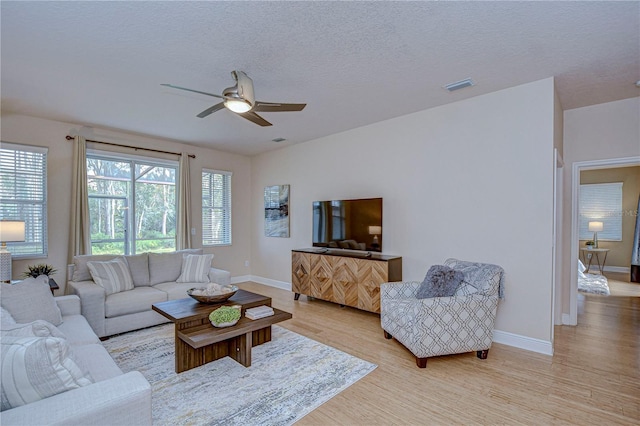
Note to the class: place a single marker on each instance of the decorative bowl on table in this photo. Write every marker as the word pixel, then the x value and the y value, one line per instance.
pixel 225 316
pixel 213 293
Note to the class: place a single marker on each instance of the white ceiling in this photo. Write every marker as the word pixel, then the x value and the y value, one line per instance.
pixel 100 64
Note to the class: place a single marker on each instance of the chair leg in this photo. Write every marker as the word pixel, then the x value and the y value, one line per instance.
pixel 387 335
pixel 421 362
pixel 483 354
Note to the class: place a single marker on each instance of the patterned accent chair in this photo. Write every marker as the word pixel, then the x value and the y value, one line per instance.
pixel 444 325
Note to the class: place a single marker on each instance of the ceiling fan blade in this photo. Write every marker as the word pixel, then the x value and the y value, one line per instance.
pixel 252 116
pixel 191 90
pixel 276 107
pixel 211 110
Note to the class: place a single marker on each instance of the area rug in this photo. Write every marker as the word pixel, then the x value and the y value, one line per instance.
pixel 593 283
pixel 288 378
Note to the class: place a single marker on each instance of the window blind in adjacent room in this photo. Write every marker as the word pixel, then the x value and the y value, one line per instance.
pixel 601 202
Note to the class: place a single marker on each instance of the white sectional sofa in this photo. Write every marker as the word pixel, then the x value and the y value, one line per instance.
pixel 156 278
pixel 104 395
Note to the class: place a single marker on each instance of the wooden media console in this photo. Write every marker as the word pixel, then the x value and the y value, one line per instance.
pixel 348 278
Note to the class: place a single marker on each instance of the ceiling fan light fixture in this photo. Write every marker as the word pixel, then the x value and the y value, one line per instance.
pixel 237 105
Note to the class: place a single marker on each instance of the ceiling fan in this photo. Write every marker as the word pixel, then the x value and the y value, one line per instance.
pixel 240 99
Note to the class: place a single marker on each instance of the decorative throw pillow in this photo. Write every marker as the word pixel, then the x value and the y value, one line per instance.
pixel 30 300
pixel 440 281
pixel 113 275
pixel 37 328
pixel 34 368
pixel 195 268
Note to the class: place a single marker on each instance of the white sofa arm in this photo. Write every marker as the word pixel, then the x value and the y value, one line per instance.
pixel 92 298
pixel 122 400
pixel 219 276
pixel 69 305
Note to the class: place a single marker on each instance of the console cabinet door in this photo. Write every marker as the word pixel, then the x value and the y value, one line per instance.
pixel 300 272
pixel 345 281
pixel 320 280
pixel 371 274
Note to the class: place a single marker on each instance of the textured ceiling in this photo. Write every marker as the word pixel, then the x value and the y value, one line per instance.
pixel 354 63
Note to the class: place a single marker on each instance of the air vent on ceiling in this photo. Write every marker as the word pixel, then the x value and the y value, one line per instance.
pixel 467 82
pixel 278 140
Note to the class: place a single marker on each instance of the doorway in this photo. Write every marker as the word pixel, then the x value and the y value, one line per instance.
pixel 577 168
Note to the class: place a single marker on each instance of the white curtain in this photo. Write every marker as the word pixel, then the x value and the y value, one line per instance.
pixel 79 231
pixel 183 227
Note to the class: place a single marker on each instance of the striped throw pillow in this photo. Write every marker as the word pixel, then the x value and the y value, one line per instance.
pixel 195 268
pixel 113 275
pixel 34 368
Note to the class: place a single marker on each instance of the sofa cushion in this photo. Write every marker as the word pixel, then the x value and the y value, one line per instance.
pixel 133 301
pixel 97 361
pixel 195 268
pixel 81 270
pixel 176 290
pixel 30 300
pixel 37 328
pixel 440 281
pixel 139 268
pixel 77 330
pixel 112 275
pixel 34 368
pixel 164 267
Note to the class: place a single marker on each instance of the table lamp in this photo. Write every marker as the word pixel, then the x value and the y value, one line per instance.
pixel 595 227
pixel 375 230
pixel 10 231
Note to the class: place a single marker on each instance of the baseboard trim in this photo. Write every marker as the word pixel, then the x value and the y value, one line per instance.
pixel 523 342
pixel 621 269
pixel 240 279
pixel 283 285
pixel 566 320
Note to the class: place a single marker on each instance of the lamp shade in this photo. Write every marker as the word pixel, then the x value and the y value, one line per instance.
pixel 375 230
pixel 595 226
pixel 11 231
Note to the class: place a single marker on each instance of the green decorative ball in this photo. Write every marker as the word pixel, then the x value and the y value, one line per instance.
pixel 224 314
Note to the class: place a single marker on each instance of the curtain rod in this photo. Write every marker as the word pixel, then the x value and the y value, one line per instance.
pixel 70 138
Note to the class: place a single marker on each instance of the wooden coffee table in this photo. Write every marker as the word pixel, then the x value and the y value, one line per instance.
pixel 197 342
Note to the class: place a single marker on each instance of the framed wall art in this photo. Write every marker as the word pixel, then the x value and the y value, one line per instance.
pixel 276 211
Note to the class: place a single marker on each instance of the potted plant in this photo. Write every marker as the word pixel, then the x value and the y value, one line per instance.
pixel 37 270
pixel 590 244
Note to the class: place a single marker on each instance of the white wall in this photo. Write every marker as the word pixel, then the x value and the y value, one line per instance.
pixel 51 134
pixel 597 132
pixel 471 179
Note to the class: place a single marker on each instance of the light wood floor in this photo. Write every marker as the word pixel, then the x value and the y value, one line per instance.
pixel 619 285
pixel 593 378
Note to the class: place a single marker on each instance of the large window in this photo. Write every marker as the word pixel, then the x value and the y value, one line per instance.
pixel 132 204
pixel 23 196
pixel 216 208
pixel 601 202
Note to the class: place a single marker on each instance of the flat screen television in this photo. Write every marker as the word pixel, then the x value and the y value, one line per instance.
pixel 348 224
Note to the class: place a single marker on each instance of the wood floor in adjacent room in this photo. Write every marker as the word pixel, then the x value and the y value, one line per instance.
pixel 593 378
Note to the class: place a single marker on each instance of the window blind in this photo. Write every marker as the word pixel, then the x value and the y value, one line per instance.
pixel 216 208
pixel 601 202
pixel 23 196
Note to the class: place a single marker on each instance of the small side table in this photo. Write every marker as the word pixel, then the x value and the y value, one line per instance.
pixel 53 285
pixel 586 259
